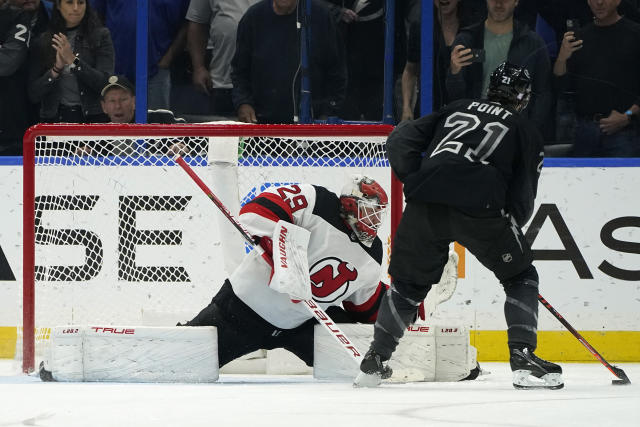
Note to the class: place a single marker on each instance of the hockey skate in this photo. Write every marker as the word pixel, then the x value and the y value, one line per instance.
pixel 372 371
pixel 531 372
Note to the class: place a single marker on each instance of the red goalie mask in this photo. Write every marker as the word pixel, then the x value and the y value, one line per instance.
pixel 363 206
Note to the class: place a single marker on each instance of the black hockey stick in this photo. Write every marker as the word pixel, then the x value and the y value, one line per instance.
pixel 622 377
pixel 310 304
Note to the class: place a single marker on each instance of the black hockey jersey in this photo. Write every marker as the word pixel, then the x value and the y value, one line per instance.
pixel 470 154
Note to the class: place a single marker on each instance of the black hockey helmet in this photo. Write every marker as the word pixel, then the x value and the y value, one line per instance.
pixel 510 85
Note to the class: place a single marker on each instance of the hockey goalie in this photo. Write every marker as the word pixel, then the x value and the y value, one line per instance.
pixel 324 247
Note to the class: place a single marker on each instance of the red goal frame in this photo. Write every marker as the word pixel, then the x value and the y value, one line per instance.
pixel 153 130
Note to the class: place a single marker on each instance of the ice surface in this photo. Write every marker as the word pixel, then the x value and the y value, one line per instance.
pixel 588 399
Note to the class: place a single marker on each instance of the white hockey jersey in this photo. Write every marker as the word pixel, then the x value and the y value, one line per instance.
pixel 342 270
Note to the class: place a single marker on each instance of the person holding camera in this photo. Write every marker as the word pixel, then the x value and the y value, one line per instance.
pixel 600 62
pixel 480 48
pixel 450 16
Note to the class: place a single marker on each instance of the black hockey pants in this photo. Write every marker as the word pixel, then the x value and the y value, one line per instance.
pixel 420 253
pixel 242 331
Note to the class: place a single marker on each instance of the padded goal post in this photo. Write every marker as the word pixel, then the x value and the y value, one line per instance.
pixel 114 232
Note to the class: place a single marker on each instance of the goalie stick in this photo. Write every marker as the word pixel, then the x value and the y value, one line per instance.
pixel 622 377
pixel 311 305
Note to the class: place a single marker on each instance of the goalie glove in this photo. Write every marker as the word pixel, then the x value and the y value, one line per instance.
pixel 290 263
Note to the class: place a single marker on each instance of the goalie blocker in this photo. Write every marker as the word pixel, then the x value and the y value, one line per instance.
pixel 189 355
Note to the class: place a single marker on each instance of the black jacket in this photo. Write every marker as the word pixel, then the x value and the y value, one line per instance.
pixel 14 37
pixel 527 49
pixel 96 61
pixel 264 69
pixel 605 74
pixel 470 154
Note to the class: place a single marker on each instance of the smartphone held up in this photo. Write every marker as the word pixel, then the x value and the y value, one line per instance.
pixel 574 26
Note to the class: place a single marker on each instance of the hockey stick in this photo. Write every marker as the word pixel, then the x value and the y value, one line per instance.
pixel 623 378
pixel 311 305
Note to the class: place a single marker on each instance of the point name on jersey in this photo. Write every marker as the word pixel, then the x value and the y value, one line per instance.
pixel 487 108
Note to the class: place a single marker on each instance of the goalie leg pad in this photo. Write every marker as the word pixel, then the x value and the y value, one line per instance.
pixel 133 354
pixel 426 353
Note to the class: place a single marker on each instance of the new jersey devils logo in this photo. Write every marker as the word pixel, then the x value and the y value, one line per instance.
pixel 330 278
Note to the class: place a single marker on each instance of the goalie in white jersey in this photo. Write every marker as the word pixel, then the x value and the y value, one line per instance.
pixel 334 239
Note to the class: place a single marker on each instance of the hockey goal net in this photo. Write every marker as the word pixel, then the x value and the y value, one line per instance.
pixel 115 233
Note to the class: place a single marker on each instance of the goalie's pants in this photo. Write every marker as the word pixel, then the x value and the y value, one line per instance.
pixel 420 252
pixel 241 330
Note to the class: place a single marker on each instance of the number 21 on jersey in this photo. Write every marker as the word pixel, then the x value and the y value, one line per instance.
pixel 462 124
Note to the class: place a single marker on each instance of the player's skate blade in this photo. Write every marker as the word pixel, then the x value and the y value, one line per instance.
pixel 524 380
pixel 531 372
pixel 372 371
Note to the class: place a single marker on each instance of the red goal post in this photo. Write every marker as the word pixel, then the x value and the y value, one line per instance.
pixel 63 194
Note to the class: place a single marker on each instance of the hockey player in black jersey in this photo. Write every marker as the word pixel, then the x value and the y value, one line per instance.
pixel 344 255
pixel 470 174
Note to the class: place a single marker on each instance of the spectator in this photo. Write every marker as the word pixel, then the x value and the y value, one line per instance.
pixel 407 12
pixel 69 65
pixel 502 39
pixel 362 26
pixel 40 11
pixel 14 46
pixel 119 104
pixel 601 62
pixel 167 37
pixel 221 18
pixel 266 65
pixel 557 12
pixel 449 17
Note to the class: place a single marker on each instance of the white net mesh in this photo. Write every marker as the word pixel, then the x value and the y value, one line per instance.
pixel 123 236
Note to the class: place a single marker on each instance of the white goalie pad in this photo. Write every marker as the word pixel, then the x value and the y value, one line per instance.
pixel 425 353
pixel 133 354
pixel 290 263
pixel 444 289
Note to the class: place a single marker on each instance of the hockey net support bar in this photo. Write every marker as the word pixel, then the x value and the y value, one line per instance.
pixel 317 311
pixel 50 217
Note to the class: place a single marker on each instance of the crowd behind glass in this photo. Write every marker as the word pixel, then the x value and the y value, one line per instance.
pixel 74 61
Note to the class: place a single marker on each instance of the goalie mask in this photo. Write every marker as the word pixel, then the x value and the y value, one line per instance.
pixel 363 205
pixel 510 85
